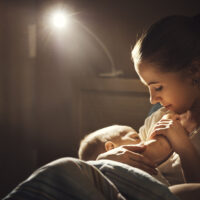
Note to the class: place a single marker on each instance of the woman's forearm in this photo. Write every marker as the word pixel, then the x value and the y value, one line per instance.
pixel 190 161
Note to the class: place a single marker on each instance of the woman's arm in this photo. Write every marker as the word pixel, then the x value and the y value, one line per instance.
pixel 181 144
pixel 152 154
pixel 190 162
pixel 131 155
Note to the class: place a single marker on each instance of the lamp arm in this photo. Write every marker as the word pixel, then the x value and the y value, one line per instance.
pixel 114 71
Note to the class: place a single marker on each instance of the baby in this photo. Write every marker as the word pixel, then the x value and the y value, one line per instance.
pixel 157 150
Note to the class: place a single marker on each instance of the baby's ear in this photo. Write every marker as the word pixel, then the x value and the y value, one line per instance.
pixel 109 145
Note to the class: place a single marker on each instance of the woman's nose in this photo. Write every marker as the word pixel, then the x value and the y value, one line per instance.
pixel 154 98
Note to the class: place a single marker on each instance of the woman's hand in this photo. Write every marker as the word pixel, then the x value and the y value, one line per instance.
pixel 170 127
pixel 131 155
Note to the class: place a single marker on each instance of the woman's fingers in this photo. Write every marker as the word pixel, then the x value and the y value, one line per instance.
pixel 141 158
pixel 142 164
pixel 158 131
pixel 139 148
pixel 172 116
pixel 144 167
pixel 140 161
pixel 130 155
pixel 161 127
pixel 134 152
pixel 163 122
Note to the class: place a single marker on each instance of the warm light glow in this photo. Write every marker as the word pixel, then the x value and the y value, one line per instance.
pixel 60 19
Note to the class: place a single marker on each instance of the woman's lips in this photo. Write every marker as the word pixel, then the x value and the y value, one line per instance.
pixel 168 106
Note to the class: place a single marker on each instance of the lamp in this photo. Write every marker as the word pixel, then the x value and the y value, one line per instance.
pixel 60 19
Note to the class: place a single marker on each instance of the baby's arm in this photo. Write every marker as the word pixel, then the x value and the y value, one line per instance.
pixel 157 150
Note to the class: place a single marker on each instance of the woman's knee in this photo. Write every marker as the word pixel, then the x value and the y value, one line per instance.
pixel 186 191
pixel 59 168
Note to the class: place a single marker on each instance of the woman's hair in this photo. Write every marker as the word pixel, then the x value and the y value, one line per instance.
pixel 173 43
pixel 93 144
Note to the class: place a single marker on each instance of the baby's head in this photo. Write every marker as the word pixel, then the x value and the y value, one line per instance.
pixel 106 139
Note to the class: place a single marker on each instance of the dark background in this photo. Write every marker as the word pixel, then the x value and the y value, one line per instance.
pixel 39 116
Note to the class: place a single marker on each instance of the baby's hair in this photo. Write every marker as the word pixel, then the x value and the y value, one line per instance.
pixel 93 144
pixel 173 43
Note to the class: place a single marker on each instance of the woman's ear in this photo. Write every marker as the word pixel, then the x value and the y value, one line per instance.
pixel 193 74
pixel 194 70
pixel 109 145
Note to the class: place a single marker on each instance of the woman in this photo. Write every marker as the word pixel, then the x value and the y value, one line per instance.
pixel 167 60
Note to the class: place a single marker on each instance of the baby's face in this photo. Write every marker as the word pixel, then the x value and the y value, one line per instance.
pixel 130 137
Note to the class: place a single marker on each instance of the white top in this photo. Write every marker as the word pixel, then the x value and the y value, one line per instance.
pixel 171 168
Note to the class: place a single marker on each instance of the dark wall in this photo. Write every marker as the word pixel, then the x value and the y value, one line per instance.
pixel 39 94
pixel 17 144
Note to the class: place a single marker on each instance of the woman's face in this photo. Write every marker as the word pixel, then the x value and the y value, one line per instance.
pixel 171 89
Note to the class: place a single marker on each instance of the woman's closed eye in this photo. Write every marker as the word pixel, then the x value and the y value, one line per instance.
pixel 159 88
pixel 135 137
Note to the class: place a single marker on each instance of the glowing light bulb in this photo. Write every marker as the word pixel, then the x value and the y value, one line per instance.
pixel 60 19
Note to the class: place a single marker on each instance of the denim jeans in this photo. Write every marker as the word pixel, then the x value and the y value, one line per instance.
pixel 133 183
pixel 74 179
